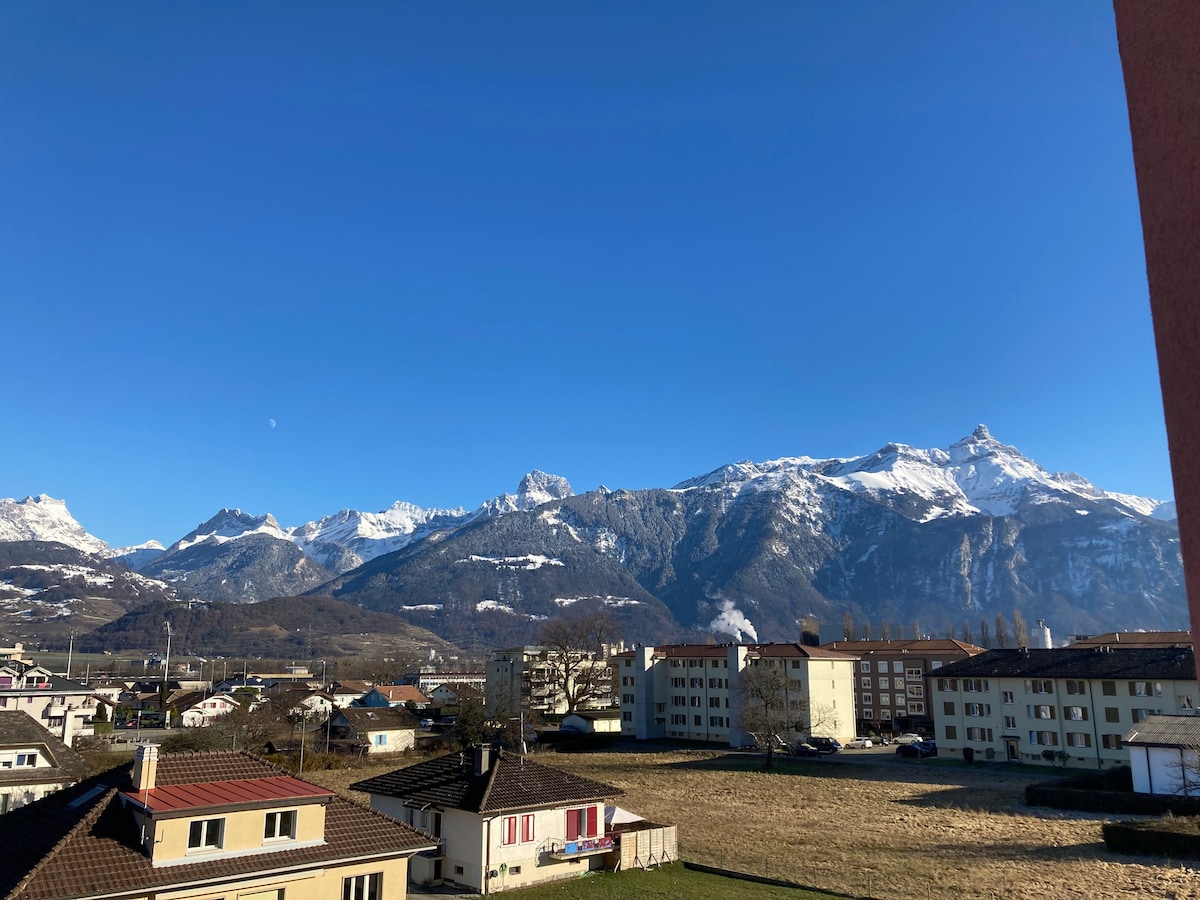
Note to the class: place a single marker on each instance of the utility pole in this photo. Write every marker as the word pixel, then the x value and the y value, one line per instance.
pixel 70 652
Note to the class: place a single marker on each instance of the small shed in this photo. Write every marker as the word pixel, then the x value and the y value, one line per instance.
pixel 600 721
pixel 1164 754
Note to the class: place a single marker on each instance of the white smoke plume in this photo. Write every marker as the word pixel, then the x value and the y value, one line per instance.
pixel 733 621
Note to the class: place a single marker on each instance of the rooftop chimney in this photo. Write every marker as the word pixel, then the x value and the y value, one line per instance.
pixel 145 767
pixel 483 759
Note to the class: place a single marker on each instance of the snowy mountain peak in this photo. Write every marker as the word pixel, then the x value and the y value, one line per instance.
pixel 230 524
pixel 535 489
pixel 43 518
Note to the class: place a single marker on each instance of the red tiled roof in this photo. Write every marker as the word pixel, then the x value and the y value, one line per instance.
pixel 226 793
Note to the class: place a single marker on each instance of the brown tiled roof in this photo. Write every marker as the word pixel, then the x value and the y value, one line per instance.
pixel 19 730
pixel 928 646
pixel 789 651
pixel 402 693
pixel 81 842
pixel 1121 639
pixel 511 783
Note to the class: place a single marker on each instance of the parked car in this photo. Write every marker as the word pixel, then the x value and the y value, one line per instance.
pixel 917 749
pixel 909 738
pixel 825 744
pixel 860 743
pixel 805 749
pixel 426 723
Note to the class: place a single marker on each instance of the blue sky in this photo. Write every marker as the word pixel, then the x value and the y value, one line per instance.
pixel 441 245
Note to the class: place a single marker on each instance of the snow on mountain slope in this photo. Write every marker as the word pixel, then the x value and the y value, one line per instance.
pixel 535 489
pixel 136 556
pixel 42 518
pixel 368 535
pixel 977 475
pixel 228 525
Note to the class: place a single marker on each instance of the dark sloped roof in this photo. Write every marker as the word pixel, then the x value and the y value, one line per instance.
pixel 18 729
pixel 377 718
pixel 82 842
pixel 511 782
pixel 1164 664
pixel 1166 731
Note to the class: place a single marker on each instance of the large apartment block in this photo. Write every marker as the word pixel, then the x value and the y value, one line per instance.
pixel 690 691
pixel 1070 705
pixel 890 690
pixel 527 678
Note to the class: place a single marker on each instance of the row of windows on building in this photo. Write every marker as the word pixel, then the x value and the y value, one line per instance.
pixel 1046 686
pixel 1078 739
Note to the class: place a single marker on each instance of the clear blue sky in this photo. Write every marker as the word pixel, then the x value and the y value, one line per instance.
pixel 443 244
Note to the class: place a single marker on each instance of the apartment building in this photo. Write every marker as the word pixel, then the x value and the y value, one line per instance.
pixel 64 708
pixel 529 678
pixel 890 690
pixel 1070 705
pixel 690 691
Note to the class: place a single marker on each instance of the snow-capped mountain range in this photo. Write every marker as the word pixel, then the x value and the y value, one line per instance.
pixel 967 530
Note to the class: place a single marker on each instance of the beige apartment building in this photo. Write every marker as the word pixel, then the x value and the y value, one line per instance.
pixel 690 691
pixel 1069 705
pixel 890 689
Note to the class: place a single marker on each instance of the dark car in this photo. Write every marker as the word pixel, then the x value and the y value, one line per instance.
pixel 917 750
pixel 825 744
pixel 805 749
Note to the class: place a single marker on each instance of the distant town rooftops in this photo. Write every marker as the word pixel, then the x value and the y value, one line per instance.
pixel 920 645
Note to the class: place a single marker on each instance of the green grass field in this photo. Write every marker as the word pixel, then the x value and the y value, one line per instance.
pixel 667 882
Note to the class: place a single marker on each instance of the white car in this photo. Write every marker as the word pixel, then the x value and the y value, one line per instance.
pixel 909 738
pixel 859 743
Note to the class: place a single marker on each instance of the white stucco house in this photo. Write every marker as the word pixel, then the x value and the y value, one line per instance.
pixel 383 729
pixel 207 711
pixel 1164 754
pixel 504 821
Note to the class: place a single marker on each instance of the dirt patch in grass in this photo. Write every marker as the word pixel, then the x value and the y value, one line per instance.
pixel 878 830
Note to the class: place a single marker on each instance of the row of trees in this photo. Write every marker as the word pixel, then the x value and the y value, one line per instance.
pixel 984 636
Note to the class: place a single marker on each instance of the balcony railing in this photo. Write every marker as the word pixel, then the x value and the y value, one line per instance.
pixel 579 848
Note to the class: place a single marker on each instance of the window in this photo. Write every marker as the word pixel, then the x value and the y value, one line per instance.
pixel 916 690
pixel 1111 741
pixel 509 831
pixel 885 683
pixel 697 721
pixel 381 740
pixel 881 665
pixel 677 700
pixel 697 683
pixel 914 674
pixel 1006 696
pixel 1108 688
pixel 1185 702
pixel 864 683
pixel 1141 714
pixel 695 701
pixel 27 759
pixel 514 870
pixel 367 887
pixel 865 665
pixel 868 714
pixel 205 834
pixel 1112 714
pixel 1139 689
pixel 714 702
pixel 628 698
pixel 527 828
pixel 1075 713
pixel 975 685
pixel 581 823
pixel 916 708
pixel 947 684
pixel 1039 686
pixel 1076 687
pixel 280 824
pixel 1010 723
pixel 1078 739
pixel 868 698
pixel 978 709
pixel 678 719
pixel 1039 712
pixel 898 665
pixel 979 734
pixel 627 716
pixel 951 732
pixel 716 721
pixel 678 682
pixel 1044 738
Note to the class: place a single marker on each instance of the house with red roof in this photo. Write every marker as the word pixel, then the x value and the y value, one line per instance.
pixel 204 826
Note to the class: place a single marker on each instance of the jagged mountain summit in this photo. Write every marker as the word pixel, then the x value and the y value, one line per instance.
pixel 42 518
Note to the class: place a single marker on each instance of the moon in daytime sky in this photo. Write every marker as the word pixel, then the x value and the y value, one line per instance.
pixel 271 422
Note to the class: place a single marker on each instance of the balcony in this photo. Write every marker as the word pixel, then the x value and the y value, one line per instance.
pixel 580 848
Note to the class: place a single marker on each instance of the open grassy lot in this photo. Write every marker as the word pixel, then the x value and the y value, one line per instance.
pixel 668 883
pixel 882 830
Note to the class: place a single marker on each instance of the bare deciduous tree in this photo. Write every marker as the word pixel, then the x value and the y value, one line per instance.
pixel 985 638
pixel 577 655
pixel 866 630
pixel 885 631
pixel 847 626
pixel 1001 631
pixel 1021 630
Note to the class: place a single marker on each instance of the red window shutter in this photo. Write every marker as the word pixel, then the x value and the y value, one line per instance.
pixel 572 824
pixel 527 828
pixel 591 821
pixel 510 829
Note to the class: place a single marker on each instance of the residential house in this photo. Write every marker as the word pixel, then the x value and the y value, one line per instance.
pixel 505 821
pixel 203 826
pixel 208 710
pixel 393 695
pixel 64 708
pixel 1070 705
pixel 383 729
pixel 690 691
pixel 530 678
pixel 453 695
pixel 346 692
pixel 33 762
pixel 890 693
pixel 307 704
